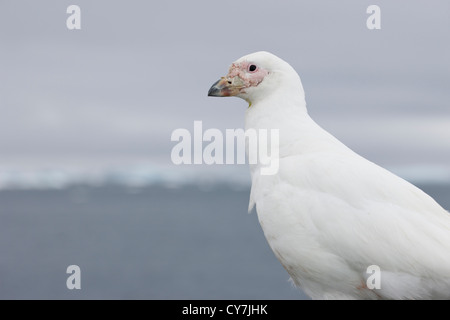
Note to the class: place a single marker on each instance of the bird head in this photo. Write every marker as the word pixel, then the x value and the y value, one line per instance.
pixel 255 76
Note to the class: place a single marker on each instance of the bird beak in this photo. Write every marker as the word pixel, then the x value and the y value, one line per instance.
pixel 226 87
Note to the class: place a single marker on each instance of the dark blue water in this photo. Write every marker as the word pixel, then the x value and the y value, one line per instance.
pixel 149 243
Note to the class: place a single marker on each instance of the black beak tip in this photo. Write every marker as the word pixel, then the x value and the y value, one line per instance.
pixel 214 91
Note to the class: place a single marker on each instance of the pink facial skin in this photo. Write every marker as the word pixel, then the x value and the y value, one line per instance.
pixel 243 71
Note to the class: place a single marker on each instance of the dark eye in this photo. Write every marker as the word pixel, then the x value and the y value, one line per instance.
pixel 252 68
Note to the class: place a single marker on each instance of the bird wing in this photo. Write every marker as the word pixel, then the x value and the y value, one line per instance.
pixel 368 216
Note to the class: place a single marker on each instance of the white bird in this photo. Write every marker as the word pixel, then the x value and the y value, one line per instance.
pixel 329 214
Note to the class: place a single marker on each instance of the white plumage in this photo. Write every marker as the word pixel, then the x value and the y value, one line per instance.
pixel 328 214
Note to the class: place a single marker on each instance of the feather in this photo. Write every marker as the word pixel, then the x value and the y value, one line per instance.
pixel 329 214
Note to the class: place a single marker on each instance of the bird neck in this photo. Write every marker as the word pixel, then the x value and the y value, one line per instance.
pixel 277 111
pixel 298 133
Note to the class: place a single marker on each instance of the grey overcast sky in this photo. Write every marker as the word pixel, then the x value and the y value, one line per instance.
pixel 137 70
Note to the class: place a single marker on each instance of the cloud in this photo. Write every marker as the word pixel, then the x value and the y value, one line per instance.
pixel 137 71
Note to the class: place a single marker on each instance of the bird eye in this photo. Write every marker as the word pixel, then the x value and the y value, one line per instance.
pixel 252 68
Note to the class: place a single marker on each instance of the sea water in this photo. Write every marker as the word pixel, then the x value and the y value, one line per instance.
pixel 140 243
